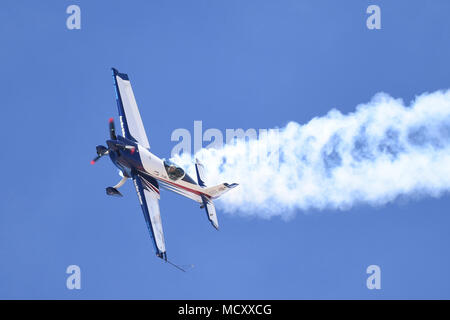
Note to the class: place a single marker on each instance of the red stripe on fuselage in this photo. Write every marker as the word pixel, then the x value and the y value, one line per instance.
pixel 183 187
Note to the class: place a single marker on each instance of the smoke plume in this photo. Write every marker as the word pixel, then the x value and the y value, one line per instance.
pixel 381 151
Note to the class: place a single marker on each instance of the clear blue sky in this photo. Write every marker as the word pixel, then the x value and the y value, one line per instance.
pixel 232 64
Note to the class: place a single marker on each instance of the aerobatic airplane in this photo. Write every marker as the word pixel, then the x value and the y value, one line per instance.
pixel 131 154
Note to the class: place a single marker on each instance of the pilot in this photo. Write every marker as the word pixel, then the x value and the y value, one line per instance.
pixel 172 172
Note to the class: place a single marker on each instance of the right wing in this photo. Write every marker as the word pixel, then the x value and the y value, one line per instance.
pixel 130 118
pixel 148 195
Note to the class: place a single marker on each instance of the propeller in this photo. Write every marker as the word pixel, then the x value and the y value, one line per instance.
pixel 102 150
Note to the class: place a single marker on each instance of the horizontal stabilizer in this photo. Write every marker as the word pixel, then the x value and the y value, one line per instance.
pixel 217 191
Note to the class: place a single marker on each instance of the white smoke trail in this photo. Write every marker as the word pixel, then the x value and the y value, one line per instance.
pixel 379 152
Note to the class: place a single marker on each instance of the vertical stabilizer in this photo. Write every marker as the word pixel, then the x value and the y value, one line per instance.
pixel 200 173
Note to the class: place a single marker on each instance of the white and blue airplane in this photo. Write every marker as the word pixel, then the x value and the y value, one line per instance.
pixel 131 154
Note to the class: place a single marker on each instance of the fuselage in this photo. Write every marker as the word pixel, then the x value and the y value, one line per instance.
pixel 133 159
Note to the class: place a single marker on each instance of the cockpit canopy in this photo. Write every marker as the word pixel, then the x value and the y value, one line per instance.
pixel 173 171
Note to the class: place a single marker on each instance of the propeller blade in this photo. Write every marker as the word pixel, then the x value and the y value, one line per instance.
pixel 112 129
pixel 95 159
pixel 101 151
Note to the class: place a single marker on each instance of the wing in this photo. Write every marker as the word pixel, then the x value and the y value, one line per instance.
pixel 148 194
pixel 130 118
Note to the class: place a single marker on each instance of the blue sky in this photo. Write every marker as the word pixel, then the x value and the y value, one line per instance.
pixel 231 64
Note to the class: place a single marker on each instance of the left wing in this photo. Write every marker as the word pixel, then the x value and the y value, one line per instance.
pixel 130 118
pixel 148 195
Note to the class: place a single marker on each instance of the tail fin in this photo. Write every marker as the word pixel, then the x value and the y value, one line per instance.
pixel 211 193
pixel 200 173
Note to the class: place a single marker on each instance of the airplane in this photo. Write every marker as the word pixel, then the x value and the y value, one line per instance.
pixel 131 154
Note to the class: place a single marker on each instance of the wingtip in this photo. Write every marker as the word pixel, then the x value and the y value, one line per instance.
pixel 116 72
pixel 162 255
pixel 215 224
